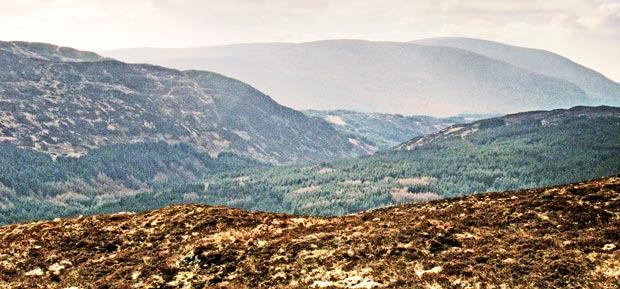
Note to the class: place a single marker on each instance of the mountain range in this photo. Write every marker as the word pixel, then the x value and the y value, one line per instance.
pixel 558 237
pixel 437 77
pixel 595 85
pixel 84 134
pixel 436 163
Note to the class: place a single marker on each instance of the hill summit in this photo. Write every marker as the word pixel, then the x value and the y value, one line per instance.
pixel 564 236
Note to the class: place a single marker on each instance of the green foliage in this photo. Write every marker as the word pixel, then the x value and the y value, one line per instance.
pixel 48 188
pixel 497 157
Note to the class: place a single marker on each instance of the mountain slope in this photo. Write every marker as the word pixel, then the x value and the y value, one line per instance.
pixel 560 237
pixel 526 150
pixel 597 86
pixel 382 130
pixel 385 77
pixel 524 121
pixel 67 108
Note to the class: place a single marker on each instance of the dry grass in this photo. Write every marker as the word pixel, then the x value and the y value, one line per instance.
pixel 563 237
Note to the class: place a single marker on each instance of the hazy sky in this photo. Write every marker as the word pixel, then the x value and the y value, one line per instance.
pixel 585 31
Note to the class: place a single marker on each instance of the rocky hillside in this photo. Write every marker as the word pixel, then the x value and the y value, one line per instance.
pixel 388 77
pixel 48 52
pixel 596 85
pixel 558 237
pixel 381 130
pixel 65 107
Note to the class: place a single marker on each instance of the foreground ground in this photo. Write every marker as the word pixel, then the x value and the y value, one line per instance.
pixel 560 237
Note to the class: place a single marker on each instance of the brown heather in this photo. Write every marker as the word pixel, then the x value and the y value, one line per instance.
pixel 560 237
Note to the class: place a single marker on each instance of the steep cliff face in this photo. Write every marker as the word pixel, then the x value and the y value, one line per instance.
pixel 564 236
pixel 64 102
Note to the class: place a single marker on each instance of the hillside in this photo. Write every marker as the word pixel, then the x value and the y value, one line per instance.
pixel 382 130
pixel 529 120
pixel 596 85
pixel 520 151
pixel 66 108
pixel 528 150
pixel 387 77
pixel 48 52
pixel 558 237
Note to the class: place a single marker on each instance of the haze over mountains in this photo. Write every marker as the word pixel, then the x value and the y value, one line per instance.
pixel 56 105
pixel 596 86
pixel 395 77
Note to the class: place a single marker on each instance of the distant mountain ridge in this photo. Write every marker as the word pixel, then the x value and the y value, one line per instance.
pixel 596 85
pixel 65 102
pixel 390 77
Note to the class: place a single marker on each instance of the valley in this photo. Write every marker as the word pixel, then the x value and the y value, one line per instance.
pixel 383 131
pixel 83 134
pixel 519 151
pixel 309 144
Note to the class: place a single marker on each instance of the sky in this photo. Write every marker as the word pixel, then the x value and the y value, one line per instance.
pixel 587 32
